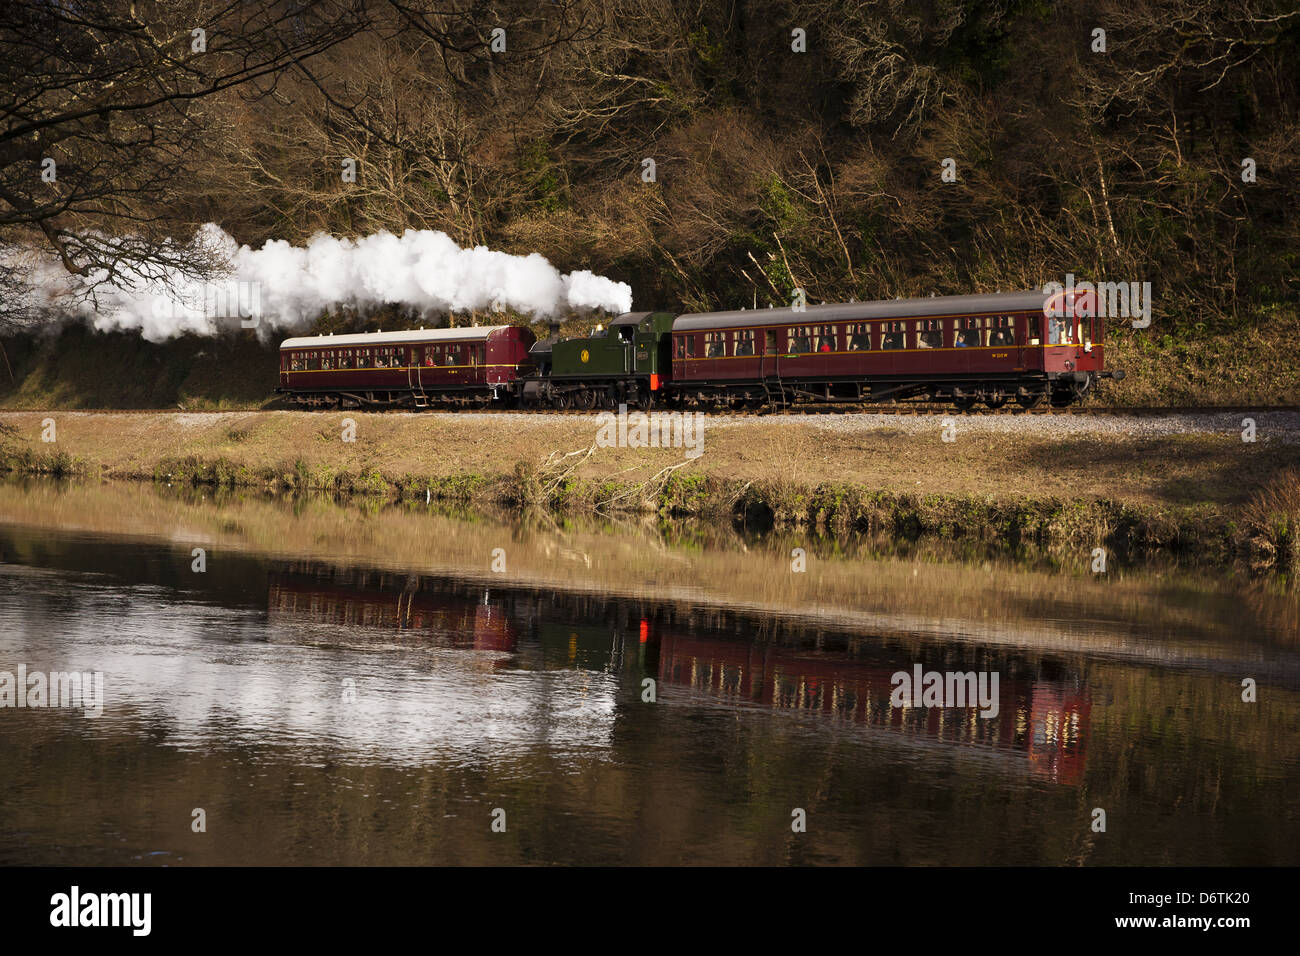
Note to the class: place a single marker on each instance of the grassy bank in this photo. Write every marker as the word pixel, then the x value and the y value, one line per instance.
pixel 1208 495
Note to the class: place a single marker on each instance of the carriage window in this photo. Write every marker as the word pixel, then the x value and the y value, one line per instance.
pixel 344 358
pixel 714 347
pixel 860 337
pixel 826 338
pixel 929 334
pixel 363 358
pixel 1003 331
pixel 745 342
pixel 800 339
pixel 970 333
pixel 453 354
pixel 327 361
pixel 1061 330
pixel 893 336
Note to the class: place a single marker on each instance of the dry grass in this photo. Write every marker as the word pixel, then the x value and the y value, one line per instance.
pixel 1184 492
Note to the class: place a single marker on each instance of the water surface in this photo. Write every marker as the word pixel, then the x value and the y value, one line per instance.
pixel 357 685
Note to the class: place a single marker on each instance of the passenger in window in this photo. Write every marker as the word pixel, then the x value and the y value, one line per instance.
pixel 861 342
pixel 715 350
pixel 800 343
pixel 931 340
pixel 1054 327
pixel 745 347
pixel 892 340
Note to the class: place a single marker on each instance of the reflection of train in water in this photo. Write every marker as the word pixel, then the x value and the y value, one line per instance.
pixel 1041 717
pixel 380 600
pixel 1047 720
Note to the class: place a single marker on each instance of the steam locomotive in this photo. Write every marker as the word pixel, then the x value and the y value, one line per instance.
pixel 1025 347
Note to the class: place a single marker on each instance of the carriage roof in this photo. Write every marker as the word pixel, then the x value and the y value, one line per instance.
pixel 851 311
pixel 477 333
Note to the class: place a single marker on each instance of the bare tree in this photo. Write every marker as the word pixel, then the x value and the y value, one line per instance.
pixel 103 102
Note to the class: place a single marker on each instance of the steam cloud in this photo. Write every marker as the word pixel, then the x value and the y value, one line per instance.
pixel 285 287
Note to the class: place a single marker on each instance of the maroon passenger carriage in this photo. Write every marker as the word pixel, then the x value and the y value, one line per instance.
pixel 465 366
pixel 967 348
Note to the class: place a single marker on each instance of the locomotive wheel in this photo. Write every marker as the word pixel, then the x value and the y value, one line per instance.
pixel 1028 401
pixel 585 399
pixel 560 401
pixel 645 400
pixel 965 403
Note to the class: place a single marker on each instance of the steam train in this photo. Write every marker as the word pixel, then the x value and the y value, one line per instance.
pixel 1025 347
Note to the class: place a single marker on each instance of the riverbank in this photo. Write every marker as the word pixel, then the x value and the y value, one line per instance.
pixel 1188 485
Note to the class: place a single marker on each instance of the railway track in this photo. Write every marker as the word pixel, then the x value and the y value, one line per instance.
pixel 800 410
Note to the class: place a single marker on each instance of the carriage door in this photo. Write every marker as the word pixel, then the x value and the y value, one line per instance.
pixel 414 359
pixel 768 366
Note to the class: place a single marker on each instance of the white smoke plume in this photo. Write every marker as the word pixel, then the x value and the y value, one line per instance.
pixel 281 287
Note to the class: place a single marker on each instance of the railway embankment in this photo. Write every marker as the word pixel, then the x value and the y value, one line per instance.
pixel 1214 487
